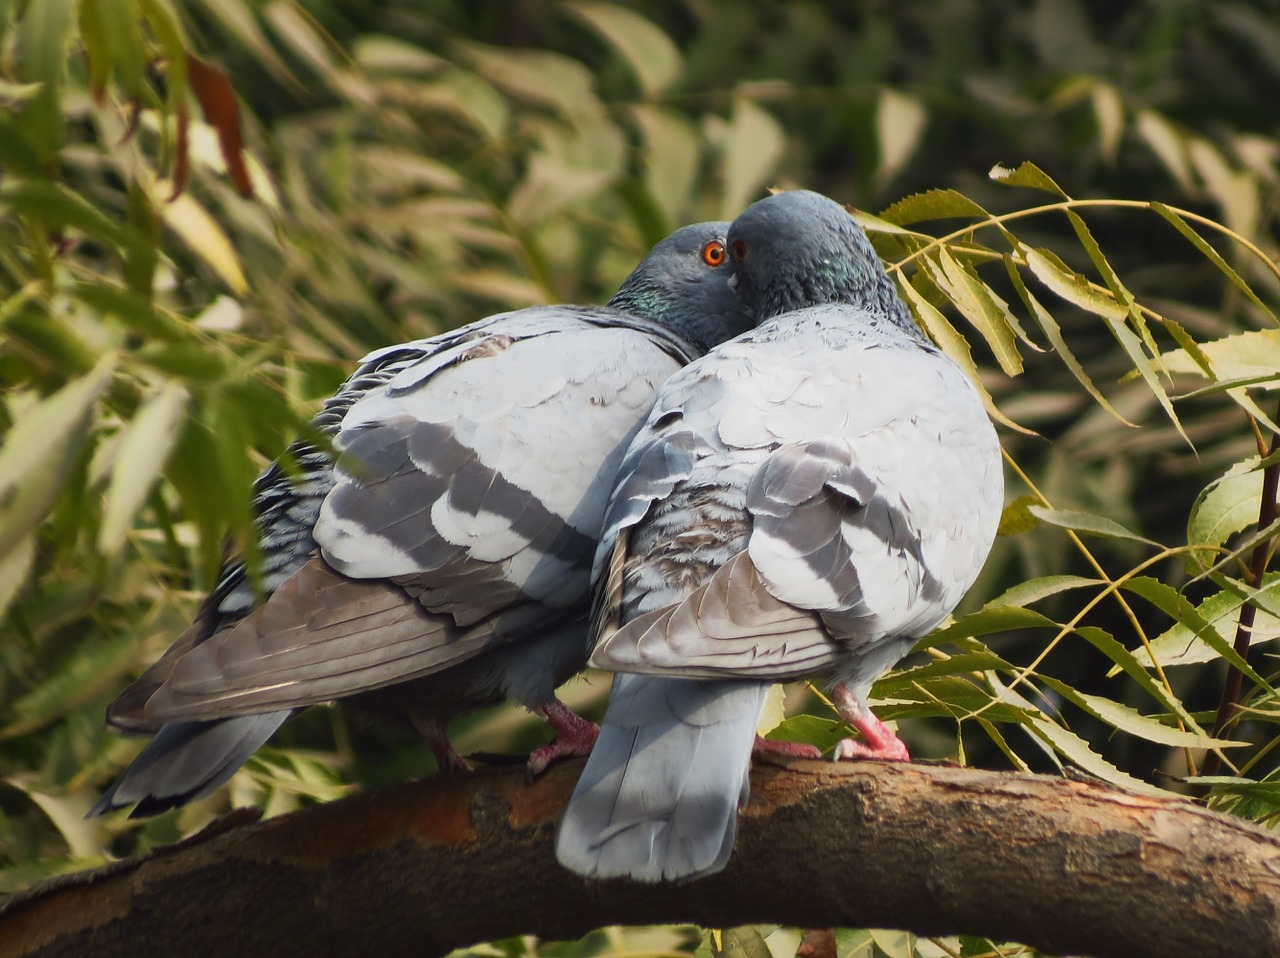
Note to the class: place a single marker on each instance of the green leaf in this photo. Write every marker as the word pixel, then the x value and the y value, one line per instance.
pixel 1175 605
pixel 1252 356
pixel 988 313
pixel 1129 663
pixel 142 453
pixel 1168 145
pixel 1053 332
pixel 753 145
pixel 671 154
pixel 990 618
pixel 1071 286
pixel 1227 505
pixel 1016 518
pixel 1125 719
pixel 649 52
pixel 900 125
pixel 1087 523
pixel 810 730
pixel 41 450
pixel 1212 255
pixel 932 205
pixel 1033 590
pixel 1181 644
pixel 15 567
pixel 88 673
pixel 1029 175
pixel 59 205
pixel 44 36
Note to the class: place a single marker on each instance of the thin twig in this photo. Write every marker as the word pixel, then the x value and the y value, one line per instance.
pixel 1244 628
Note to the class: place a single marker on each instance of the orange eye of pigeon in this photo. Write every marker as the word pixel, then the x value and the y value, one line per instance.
pixel 713 253
pixel 739 250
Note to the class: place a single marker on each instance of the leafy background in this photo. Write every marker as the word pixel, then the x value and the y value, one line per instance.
pixel 1078 200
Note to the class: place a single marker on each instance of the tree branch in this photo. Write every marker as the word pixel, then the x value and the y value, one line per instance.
pixel 422 868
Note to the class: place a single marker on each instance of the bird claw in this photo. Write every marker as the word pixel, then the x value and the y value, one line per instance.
pixel 575 736
pixel 890 749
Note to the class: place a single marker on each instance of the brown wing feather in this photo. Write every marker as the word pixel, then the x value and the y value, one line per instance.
pixel 320 636
pixel 729 626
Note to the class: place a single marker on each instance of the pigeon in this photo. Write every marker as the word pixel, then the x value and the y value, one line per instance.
pixel 441 562
pixel 803 502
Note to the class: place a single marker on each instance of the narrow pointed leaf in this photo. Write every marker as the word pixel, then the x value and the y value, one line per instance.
pixel 1029 175
pixel 932 205
pixel 143 451
pixel 1087 523
pixel 652 57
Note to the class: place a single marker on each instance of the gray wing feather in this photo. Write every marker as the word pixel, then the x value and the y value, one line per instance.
pixel 659 799
pixel 187 761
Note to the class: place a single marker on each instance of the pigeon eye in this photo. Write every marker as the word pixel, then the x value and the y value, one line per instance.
pixel 739 250
pixel 713 253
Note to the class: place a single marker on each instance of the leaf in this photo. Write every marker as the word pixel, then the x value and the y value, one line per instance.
pixel 988 619
pixel 1235 190
pixel 1071 286
pixel 1175 605
pixel 206 239
pixel 1108 110
pixel 753 145
pixel 88 673
pixel 1211 254
pixel 1125 719
pixel 745 942
pixel 1075 289
pixel 810 730
pixel 1029 175
pixel 932 205
pixel 59 205
pixel 900 125
pixel 41 450
pixel 1072 747
pixel 1252 356
pixel 221 111
pixel 142 453
pixel 1087 523
pixel 774 710
pixel 15 567
pixel 1227 505
pixel 44 36
pixel 988 313
pixel 1016 518
pixel 652 57
pixel 671 154
pixel 1053 332
pixel 1181 643
pixel 1033 590
pixel 1168 145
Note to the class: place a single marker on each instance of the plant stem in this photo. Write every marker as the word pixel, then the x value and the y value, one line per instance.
pixel 1244 628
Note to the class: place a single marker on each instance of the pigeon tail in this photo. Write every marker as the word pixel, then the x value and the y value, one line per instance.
pixel 658 799
pixel 186 761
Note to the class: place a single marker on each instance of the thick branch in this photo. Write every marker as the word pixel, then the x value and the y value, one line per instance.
pixel 422 868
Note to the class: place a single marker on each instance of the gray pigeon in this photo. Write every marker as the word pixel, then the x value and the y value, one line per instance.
pixel 803 502
pixel 443 562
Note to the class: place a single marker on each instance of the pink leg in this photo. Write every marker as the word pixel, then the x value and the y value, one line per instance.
pixel 574 736
pixel 436 734
pixel 766 747
pixel 878 739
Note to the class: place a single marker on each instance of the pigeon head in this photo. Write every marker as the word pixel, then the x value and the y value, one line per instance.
pixel 684 284
pixel 798 249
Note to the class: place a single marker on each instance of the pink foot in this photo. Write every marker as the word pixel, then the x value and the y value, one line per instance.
pixel 767 747
pixel 574 736
pixel 879 742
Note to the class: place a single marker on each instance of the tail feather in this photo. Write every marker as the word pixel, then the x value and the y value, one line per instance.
pixel 186 761
pixel 658 799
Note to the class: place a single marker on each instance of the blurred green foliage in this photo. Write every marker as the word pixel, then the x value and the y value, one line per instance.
pixel 416 166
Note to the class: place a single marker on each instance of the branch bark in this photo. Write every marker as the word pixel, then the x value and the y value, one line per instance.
pixel 422 868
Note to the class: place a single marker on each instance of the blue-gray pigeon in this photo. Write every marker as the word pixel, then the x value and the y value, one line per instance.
pixel 443 562
pixel 803 502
